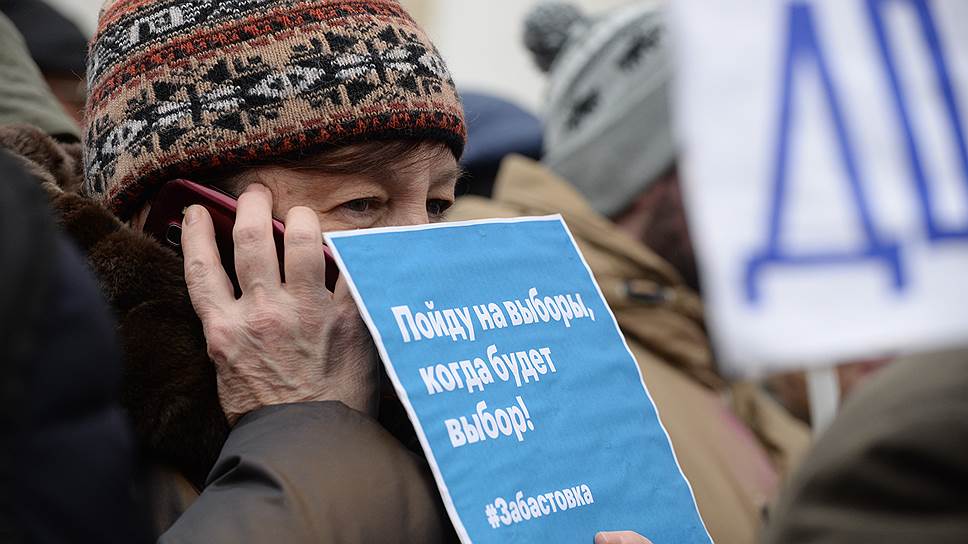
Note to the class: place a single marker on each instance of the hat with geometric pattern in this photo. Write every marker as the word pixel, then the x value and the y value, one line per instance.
pixel 178 87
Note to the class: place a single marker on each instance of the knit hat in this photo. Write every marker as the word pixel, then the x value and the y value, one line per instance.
pixel 608 126
pixel 178 87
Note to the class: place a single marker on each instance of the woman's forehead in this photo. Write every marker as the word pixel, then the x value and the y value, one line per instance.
pixel 388 162
pixel 382 159
pixel 398 173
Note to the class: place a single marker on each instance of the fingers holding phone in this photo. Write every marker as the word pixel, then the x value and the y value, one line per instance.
pixel 256 263
pixel 208 285
pixel 278 343
pixel 305 264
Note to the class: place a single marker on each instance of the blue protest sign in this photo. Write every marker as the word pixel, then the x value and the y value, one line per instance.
pixel 527 401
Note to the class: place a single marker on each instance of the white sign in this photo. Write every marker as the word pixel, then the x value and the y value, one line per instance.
pixel 826 166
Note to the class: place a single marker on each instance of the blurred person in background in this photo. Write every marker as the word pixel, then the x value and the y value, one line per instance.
pixel 608 120
pixel 496 128
pixel 790 388
pixel 67 456
pixel 609 169
pixel 893 465
pixel 58 47
pixel 261 416
pixel 26 98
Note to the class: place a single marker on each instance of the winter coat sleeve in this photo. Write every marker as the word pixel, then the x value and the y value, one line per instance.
pixel 314 472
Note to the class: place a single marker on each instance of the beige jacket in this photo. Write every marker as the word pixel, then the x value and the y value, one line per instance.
pixel 734 466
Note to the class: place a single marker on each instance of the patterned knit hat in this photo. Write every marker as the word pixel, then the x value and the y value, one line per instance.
pixel 178 87
pixel 608 124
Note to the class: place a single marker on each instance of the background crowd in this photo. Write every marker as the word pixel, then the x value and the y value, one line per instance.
pixel 142 401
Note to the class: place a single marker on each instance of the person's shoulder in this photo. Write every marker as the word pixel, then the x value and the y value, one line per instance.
pixel 905 408
pixel 914 410
pixel 57 165
pixel 912 388
pixel 895 451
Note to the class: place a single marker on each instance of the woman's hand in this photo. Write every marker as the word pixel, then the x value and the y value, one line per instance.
pixel 280 343
pixel 623 537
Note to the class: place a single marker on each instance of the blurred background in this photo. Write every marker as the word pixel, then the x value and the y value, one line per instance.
pixel 481 40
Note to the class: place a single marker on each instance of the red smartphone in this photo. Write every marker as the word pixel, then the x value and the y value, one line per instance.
pixel 165 218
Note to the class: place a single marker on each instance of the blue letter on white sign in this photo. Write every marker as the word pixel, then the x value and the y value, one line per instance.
pixel 803 42
pixel 945 88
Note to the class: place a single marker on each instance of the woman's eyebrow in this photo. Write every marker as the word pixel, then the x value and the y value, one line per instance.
pixel 447 175
pixel 443 176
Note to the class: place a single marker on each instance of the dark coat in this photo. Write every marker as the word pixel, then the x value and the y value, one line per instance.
pixel 310 473
pixel 67 454
pixel 892 468
pixel 169 386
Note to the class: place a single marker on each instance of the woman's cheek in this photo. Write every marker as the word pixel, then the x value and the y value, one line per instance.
pixel 330 224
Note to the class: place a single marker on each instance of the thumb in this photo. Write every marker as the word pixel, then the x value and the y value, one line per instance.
pixel 621 537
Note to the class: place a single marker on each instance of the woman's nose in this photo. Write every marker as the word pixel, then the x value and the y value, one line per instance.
pixel 409 214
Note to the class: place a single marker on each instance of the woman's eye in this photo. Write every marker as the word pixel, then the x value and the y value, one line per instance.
pixel 437 207
pixel 360 205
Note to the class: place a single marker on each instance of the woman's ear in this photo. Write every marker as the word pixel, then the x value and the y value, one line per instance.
pixel 137 221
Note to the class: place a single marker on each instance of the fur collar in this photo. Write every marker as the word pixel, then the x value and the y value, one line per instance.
pixel 169 387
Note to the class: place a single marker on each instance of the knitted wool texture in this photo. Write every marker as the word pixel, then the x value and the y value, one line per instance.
pixel 178 87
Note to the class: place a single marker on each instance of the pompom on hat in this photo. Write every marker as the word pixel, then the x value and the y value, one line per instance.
pixel 547 28
pixel 178 87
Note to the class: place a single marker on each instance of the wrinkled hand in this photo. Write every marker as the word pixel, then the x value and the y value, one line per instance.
pixel 280 343
pixel 623 537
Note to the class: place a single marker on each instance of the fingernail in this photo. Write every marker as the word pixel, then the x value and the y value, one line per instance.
pixel 193 214
pixel 601 538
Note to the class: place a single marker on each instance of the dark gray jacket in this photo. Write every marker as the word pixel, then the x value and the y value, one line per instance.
pixel 316 472
pixel 892 468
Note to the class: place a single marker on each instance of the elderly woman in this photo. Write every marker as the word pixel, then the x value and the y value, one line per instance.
pixel 261 414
